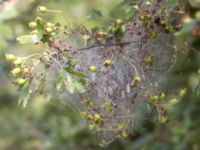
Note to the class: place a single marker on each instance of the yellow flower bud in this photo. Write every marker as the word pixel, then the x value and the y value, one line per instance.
pixel 119 22
pixel 83 114
pixel 20 81
pixel 97 117
pixel 33 25
pixel 30 91
pixel 10 57
pixel 153 35
pixel 19 61
pixel 49 29
pixel 135 81
pixel 173 101
pixel 124 134
pixel 121 126
pixel 162 95
pixel 16 71
pixel 102 34
pixel 92 68
pixel 183 92
pixel 91 126
pixel 154 98
pixel 107 63
pixel 42 9
pixel 48 24
pixel 114 30
pixel 26 71
pixel 187 20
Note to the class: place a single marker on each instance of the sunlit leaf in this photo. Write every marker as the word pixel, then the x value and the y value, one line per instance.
pixel 70 85
pixel 25 95
pixel 28 39
pixel 60 79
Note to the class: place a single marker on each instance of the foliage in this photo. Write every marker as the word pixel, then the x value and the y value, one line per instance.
pixel 69 67
pixel 100 102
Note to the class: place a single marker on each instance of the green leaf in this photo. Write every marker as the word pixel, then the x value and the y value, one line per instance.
pixel 170 4
pixel 120 32
pixel 75 73
pixel 28 39
pixel 196 90
pixel 5 30
pixel 94 14
pixel 73 84
pixel 60 79
pixel 25 95
pixel 130 12
pixel 79 87
pixel 70 85
pixel 79 74
pixel 185 33
pixel 8 13
pixel 124 2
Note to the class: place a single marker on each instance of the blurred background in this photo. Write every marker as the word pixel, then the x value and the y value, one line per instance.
pixel 51 125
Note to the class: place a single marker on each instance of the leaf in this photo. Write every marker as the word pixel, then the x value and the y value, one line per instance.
pixel 70 85
pixel 79 87
pixel 5 30
pixel 28 39
pixel 124 2
pixel 79 74
pixel 170 4
pixel 25 95
pixel 76 73
pixel 120 32
pixel 185 33
pixel 94 14
pixel 8 13
pixel 73 84
pixel 60 79
pixel 130 12
pixel 196 90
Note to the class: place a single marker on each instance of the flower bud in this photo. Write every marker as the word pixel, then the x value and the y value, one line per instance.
pixel 41 9
pixel 102 34
pixel 119 22
pixel 114 30
pixel 48 24
pixel 107 63
pixel 92 68
pixel 162 95
pixel 97 117
pixel 49 29
pixel 148 3
pixel 20 81
pixel 183 92
pixel 33 25
pixel 16 71
pixel 10 57
pixel 19 61
pixel 124 134
pixel 91 126
pixel 26 71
